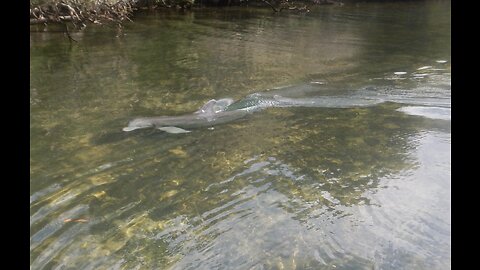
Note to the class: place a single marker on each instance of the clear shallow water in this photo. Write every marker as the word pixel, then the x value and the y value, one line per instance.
pixel 294 187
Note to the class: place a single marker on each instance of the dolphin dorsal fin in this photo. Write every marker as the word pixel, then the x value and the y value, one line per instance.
pixel 214 106
pixel 207 108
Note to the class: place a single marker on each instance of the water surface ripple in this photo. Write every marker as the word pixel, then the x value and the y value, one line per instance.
pixel 353 173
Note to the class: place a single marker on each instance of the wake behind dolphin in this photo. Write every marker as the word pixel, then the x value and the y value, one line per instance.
pixel 221 111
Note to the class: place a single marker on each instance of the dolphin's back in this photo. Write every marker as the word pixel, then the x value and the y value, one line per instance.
pixel 214 106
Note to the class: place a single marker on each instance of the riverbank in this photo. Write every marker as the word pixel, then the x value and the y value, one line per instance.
pixel 80 13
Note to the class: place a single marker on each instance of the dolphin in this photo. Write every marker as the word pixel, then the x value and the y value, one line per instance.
pixel 225 110
pixel 214 112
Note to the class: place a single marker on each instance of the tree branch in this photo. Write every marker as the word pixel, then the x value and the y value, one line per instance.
pixel 268 3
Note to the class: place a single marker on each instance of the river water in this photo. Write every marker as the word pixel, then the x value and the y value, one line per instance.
pixel 363 186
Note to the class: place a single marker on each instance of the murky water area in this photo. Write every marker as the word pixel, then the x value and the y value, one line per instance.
pixel 363 186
